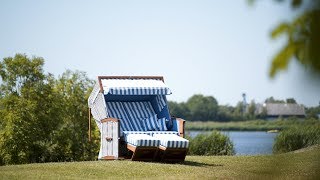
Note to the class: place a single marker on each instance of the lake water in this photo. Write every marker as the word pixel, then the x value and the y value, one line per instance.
pixel 247 142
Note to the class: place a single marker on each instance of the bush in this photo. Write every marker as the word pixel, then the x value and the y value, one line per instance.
pixel 296 137
pixel 215 143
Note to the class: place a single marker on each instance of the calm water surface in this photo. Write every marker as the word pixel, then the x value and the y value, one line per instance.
pixel 247 142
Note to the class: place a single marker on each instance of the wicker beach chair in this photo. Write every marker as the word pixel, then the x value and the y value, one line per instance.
pixel 134 121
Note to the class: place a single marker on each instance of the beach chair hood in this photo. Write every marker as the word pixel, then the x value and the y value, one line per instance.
pixel 126 88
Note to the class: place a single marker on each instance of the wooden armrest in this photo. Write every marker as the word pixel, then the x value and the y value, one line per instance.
pixel 109 119
pixel 181 126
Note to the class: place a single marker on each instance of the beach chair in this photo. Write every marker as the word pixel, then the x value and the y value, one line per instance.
pixel 132 115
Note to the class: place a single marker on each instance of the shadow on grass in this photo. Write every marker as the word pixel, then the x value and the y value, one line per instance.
pixel 198 164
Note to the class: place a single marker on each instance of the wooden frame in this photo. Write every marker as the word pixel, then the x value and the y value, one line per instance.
pixel 89 124
pixel 108 158
pixel 109 119
pixel 181 126
pixel 143 153
pixel 172 155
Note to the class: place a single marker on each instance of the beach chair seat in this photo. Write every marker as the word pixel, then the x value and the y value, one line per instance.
pixel 173 148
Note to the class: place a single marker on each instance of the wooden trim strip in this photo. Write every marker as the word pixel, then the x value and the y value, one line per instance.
pixel 109 158
pixel 162 148
pixel 100 84
pixel 109 119
pixel 89 124
pixel 131 147
pixel 181 126
pixel 128 77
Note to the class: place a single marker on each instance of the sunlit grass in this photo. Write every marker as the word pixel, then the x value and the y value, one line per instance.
pixel 303 165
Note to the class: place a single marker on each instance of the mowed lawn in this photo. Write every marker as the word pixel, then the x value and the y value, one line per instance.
pixel 298 165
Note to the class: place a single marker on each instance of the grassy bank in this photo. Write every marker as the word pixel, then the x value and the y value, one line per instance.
pixel 304 165
pixel 254 125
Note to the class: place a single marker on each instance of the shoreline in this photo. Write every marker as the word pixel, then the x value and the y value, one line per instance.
pixel 252 125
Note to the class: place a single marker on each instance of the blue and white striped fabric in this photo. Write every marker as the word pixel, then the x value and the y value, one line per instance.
pixel 137 111
pixel 172 141
pixel 163 132
pixel 116 110
pixel 138 91
pixel 162 124
pixel 150 123
pixel 135 87
pixel 161 102
pixel 142 140
pixel 137 132
pixel 126 133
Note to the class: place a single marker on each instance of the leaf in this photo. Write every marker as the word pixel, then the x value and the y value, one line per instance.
pixel 296 3
pixel 280 29
pixel 281 60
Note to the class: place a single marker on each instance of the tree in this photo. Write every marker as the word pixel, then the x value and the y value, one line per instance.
pixel 43 119
pixel 252 110
pixel 313 112
pixel 20 71
pixel 237 114
pixel 179 110
pixel 29 112
pixel 202 108
pixel 225 113
pixel 272 100
pixel 291 101
pixel 72 136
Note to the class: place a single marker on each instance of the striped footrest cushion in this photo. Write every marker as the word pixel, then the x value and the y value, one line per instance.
pixel 143 140
pixel 163 132
pixel 172 141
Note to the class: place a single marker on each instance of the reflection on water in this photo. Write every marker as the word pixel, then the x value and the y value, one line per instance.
pixel 247 142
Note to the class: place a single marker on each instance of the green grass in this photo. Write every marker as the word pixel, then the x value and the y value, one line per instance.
pixel 253 125
pixel 300 165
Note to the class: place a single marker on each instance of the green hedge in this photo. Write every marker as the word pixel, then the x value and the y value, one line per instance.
pixel 215 143
pixel 296 137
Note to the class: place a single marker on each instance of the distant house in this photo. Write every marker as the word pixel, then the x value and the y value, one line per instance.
pixel 284 110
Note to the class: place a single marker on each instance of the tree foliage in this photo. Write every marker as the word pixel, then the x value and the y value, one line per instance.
pixel 42 119
pixel 273 100
pixel 303 38
pixel 202 107
pixel 29 112
pixel 19 71
pixel 72 138
pixel 199 108
pixel 206 108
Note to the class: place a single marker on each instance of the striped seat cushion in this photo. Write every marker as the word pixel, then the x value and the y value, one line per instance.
pixel 142 140
pixel 172 141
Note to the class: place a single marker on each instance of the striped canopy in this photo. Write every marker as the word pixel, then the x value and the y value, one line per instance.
pixel 134 87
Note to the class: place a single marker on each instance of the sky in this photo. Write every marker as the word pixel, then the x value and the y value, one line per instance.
pixel 216 48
